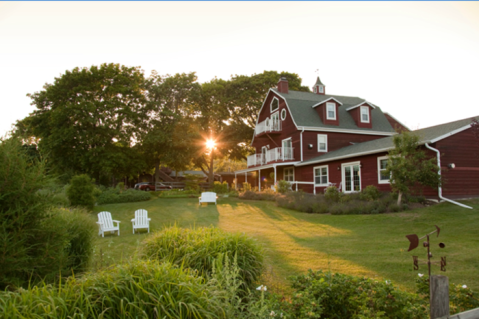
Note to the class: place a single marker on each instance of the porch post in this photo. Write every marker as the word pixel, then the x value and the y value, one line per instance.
pixel 246 177
pixel 274 174
pixel 236 182
pixel 259 180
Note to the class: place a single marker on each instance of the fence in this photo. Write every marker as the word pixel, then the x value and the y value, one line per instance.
pixel 181 185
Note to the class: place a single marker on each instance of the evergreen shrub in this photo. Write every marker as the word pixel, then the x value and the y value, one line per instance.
pixel 81 190
pixel 220 188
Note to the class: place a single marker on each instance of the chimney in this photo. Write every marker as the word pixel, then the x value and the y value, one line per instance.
pixel 283 85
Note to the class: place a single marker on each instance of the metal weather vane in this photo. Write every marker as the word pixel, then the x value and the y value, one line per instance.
pixel 414 243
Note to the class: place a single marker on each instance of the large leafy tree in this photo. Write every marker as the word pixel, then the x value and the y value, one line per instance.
pixel 172 109
pixel 409 166
pixel 90 119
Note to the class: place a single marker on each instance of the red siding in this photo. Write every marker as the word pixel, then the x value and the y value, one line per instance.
pixel 321 109
pixel 356 115
pixel 462 150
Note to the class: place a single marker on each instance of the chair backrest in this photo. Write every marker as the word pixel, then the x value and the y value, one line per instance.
pixel 141 217
pixel 208 195
pixel 105 219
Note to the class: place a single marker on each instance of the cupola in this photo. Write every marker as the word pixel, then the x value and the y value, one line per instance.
pixel 319 88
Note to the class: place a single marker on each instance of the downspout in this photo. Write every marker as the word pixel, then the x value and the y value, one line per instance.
pixel 439 190
pixel 301 141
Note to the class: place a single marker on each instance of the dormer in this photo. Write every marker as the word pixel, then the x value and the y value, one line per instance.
pixel 319 88
pixel 361 114
pixel 328 111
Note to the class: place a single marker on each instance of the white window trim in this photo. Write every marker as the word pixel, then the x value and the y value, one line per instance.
pixel 321 89
pixel 289 168
pixel 361 114
pixel 379 170
pixel 314 174
pixel 283 112
pixel 343 177
pixel 271 105
pixel 326 139
pixel 315 89
pixel 327 112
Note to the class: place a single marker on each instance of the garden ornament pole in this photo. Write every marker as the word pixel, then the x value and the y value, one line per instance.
pixel 438 285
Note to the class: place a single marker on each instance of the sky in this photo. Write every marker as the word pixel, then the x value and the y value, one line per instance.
pixel 418 61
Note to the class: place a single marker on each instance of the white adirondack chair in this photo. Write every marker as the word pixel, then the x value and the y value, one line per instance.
pixel 207 197
pixel 106 223
pixel 141 220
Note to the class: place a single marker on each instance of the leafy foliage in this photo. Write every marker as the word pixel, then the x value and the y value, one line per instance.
pixel 283 186
pixel 370 193
pixel 198 248
pixel 89 119
pixel 81 190
pixel 327 295
pixel 409 166
pixel 220 188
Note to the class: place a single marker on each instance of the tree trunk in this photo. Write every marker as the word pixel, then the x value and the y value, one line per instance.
pixel 399 198
pixel 211 176
pixel 157 171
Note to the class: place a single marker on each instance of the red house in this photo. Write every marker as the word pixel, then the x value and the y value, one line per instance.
pixel 314 140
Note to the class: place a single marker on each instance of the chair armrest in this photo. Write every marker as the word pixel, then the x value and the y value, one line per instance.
pixel 99 223
pixel 149 219
pixel 116 221
pixel 132 220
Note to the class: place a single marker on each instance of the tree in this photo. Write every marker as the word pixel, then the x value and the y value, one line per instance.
pixel 171 128
pixel 89 120
pixel 409 166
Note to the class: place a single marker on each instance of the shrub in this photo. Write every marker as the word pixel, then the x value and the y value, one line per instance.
pixel 370 193
pixel 192 182
pixel 22 210
pixel 246 187
pixel 80 192
pixel 327 295
pixel 283 186
pixel 220 188
pixel 113 195
pixel 332 194
pixel 139 289
pixel 198 248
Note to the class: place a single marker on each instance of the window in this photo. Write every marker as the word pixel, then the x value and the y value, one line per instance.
pixel 274 122
pixel 351 177
pixel 315 89
pixel 287 149
pixel 321 175
pixel 283 114
pixel 364 114
pixel 321 89
pixel 288 174
pixel 274 104
pixel 330 111
pixel 383 178
pixel 322 143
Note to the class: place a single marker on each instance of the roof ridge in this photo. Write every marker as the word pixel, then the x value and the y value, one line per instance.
pixel 443 124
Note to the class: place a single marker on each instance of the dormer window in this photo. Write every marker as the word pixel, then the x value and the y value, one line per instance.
pixel 331 111
pixel 274 105
pixel 364 114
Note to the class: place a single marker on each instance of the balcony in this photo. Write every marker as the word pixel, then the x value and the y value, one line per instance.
pixel 278 154
pixel 268 126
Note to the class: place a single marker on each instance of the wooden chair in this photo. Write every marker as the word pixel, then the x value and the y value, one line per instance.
pixel 106 223
pixel 208 197
pixel 141 220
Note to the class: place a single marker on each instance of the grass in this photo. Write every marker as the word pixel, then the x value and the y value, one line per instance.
pixel 369 245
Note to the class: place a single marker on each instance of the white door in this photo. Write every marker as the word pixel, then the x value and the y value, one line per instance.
pixel 351 177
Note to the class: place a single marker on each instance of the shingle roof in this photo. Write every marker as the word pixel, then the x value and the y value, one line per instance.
pixel 301 107
pixel 426 135
pixel 318 82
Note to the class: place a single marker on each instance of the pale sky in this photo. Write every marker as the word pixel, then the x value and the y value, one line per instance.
pixel 417 61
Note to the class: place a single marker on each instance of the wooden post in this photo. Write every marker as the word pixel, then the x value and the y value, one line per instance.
pixel 439 296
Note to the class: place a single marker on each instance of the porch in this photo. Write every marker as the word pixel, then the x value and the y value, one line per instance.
pixel 271 156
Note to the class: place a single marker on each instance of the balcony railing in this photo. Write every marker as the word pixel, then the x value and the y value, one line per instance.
pixel 269 125
pixel 273 155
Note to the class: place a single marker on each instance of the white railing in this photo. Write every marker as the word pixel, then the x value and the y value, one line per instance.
pixel 273 155
pixel 268 126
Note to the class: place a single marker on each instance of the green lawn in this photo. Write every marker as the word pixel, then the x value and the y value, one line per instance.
pixel 370 245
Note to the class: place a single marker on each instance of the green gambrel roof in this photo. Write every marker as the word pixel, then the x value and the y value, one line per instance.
pixel 426 135
pixel 302 111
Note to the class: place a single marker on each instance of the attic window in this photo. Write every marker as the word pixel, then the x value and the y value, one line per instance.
pixel 274 104
pixel 364 114
pixel 330 111
pixel 283 114
pixel 321 89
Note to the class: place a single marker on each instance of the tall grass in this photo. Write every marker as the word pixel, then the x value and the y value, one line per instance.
pixel 139 289
pixel 198 249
